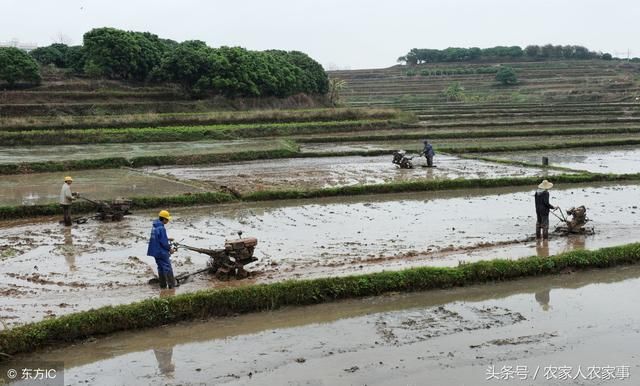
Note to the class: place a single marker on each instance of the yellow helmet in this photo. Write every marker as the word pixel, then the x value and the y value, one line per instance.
pixel 164 214
pixel 67 178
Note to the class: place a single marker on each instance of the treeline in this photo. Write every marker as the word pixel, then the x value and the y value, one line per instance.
pixel 144 57
pixel 454 54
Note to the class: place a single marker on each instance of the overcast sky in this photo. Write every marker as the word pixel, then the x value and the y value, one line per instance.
pixel 339 34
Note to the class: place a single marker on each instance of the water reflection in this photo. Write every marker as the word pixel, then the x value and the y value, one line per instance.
pixel 543 298
pixel 164 357
pixel 542 248
pixel 68 249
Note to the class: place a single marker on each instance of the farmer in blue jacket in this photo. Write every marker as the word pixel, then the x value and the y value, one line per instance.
pixel 428 153
pixel 160 248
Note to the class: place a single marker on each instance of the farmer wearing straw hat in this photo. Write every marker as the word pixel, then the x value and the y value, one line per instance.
pixel 542 209
pixel 66 198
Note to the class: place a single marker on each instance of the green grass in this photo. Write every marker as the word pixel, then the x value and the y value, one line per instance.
pixel 255 298
pixel 467 134
pixel 204 118
pixel 183 133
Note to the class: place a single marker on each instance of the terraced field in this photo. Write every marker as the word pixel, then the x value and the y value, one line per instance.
pixel 314 183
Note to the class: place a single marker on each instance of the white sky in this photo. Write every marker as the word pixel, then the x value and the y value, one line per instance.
pixel 342 34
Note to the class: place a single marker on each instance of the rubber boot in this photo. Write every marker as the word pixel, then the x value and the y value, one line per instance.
pixel 545 233
pixel 538 232
pixel 171 281
pixel 162 279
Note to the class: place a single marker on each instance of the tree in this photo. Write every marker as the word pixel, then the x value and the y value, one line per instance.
pixel 16 65
pixel 119 54
pixel 607 56
pixel 54 54
pixel 76 58
pixel 506 76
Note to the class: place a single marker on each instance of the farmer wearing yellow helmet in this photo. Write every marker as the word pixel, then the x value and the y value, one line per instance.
pixel 66 198
pixel 160 249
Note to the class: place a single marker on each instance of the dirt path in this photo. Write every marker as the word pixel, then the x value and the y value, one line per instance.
pixel 448 337
pixel 48 270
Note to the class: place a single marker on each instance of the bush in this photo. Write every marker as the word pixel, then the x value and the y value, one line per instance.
pixel 454 92
pixel 506 76
pixel 16 65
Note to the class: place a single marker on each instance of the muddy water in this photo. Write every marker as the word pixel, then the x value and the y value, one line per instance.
pixel 598 160
pixel 43 188
pixel 448 337
pixel 16 154
pixel 322 172
pixel 46 269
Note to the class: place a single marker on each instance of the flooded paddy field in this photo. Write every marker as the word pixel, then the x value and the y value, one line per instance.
pixel 324 172
pixel 47 270
pixel 450 337
pixel 101 184
pixel 415 146
pixel 619 159
pixel 18 154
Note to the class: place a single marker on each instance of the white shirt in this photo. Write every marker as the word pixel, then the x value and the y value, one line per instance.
pixel 66 198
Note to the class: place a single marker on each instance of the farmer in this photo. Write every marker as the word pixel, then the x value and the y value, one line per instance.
pixel 161 250
pixel 66 198
pixel 542 209
pixel 428 153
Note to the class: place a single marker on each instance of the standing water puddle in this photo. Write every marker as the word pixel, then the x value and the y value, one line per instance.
pixel 449 336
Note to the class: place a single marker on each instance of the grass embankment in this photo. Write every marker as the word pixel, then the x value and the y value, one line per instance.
pixel 531 122
pixel 254 298
pixel 204 118
pixel 466 134
pixel 12 212
pixel 186 133
pixel 538 146
pixel 191 199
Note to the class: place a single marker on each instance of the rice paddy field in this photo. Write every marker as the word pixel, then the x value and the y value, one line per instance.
pixel 315 184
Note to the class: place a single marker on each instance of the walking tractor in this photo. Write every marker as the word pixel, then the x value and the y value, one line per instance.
pixel 227 262
pixel 401 160
pixel 576 223
pixel 115 210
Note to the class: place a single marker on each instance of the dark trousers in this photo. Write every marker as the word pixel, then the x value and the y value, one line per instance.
pixel 542 225
pixel 164 265
pixel 165 273
pixel 66 214
pixel 429 160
